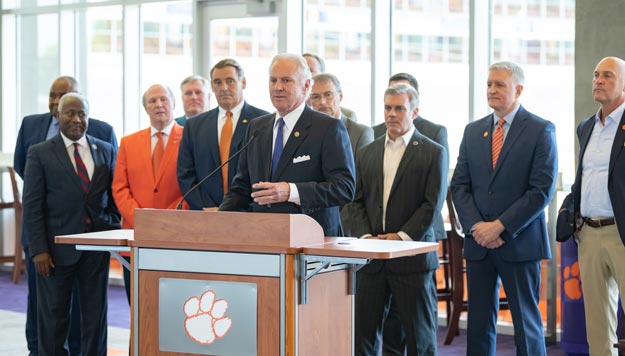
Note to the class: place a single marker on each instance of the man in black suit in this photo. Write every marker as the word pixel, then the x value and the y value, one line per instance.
pixel 598 199
pixel 300 161
pixel 399 204
pixel 67 190
pixel 210 138
pixel 34 129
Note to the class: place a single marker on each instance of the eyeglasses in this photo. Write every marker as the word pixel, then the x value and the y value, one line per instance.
pixel 327 95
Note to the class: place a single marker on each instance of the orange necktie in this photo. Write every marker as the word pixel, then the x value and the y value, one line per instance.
pixel 157 155
pixel 224 148
pixel 497 141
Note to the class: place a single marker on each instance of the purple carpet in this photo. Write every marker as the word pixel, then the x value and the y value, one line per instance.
pixel 13 298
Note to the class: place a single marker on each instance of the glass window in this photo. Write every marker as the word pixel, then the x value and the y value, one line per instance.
pixel 165 58
pixel 9 83
pixel 341 35
pixel 105 66
pixel 431 52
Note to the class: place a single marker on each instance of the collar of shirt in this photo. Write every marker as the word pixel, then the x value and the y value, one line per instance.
pixel 290 119
pixel 81 141
pixel 615 115
pixel 405 137
pixel 508 118
pixel 166 130
pixel 236 113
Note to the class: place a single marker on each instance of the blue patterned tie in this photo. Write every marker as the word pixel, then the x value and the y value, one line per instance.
pixel 81 170
pixel 278 146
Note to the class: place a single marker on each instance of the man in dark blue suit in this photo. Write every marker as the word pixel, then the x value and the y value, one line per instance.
pixel 204 145
pixel 401 180
pixel 35 129
pixel 300 161
pixel 67 190
pixel 598 200
pixel 504 178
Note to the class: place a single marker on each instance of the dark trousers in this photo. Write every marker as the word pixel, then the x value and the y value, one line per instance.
pixel 73 340
pixel 415 294
pixel 54 293
pixel 126 272
pixel 393 336
pixel 521 281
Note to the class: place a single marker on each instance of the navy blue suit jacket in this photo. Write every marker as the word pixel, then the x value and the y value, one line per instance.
pixel 616 173
pixel 199 155
pixel 516 191
pixel 324 176
pixel 54 203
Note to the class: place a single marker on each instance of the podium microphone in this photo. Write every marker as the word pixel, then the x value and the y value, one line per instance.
pixel 197 185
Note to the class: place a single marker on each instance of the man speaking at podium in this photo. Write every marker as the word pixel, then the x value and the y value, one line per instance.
pixel 300 161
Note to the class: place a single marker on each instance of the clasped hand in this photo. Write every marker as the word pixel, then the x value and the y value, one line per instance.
pixel 488 234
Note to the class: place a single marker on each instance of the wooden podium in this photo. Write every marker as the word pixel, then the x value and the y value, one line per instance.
pixel 288 289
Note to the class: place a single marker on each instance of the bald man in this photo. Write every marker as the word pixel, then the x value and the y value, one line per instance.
pixel 598 197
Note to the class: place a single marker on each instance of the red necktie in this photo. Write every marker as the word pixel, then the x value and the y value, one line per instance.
pixel 157 155
pixel 497 140
pixel 224 148
pixel 81 170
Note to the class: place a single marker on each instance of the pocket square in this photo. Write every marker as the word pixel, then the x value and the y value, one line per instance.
pixel 301 159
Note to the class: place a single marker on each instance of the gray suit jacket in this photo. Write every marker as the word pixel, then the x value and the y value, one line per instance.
pixel 438 134
pixel 416 196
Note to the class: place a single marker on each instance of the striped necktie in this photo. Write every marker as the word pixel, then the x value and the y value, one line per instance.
pixel 81 170
pixel 497 141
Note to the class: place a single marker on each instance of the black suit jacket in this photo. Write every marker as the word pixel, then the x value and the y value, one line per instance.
pixel 416 197
pixel 317 157
pixel 616 173
pixel 54 203
pixel 438 134
pixel 199 155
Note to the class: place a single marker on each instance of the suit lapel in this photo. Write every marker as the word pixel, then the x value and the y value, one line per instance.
pixel 585 138
pixel 61 154
pixel 486 142
pixel 298 135
pixel 516 129
pixel 619 142
pixel 378 158
pixel 42 130
pixel 98 162
pixel 173 142
pixel 213 137
pixel 265 147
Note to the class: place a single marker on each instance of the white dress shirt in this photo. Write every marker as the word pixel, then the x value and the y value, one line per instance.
pixel 166 132
pixel 84 151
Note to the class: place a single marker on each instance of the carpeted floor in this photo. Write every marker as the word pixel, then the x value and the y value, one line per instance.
pixel 13 309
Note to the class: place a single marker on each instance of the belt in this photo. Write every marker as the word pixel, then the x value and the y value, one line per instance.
pixel 596 223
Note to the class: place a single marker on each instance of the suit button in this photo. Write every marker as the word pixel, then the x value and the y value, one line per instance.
pixel 490 193
pixel 155 190
pixel 268 206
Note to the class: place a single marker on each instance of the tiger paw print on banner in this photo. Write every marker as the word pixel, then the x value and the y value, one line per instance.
pixel 205 320
pixel 572 282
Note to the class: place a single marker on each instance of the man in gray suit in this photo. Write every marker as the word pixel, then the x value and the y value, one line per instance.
pixel 67 190
pixel 326 96
pixel 399 204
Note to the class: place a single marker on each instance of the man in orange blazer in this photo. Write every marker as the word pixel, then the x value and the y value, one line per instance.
pixel 145 173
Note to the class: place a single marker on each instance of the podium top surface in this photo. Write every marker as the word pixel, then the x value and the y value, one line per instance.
pixel 368 248
pixel 100 238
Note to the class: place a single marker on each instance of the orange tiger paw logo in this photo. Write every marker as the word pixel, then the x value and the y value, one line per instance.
pixel 572 283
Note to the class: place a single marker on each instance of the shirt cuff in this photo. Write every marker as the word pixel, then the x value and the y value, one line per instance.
pixel 404 236
pixel 294 194
pixel 365 236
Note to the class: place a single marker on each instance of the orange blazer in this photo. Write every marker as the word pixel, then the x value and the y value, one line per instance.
pixel 134 184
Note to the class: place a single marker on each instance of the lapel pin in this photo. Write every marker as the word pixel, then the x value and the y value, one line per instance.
pixel 485 133
pixel 245 121
pixel 94 147
pixel 414 143
pixel 623 127
pixel 296 134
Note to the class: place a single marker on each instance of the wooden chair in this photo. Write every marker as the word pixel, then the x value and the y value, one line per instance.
pixel 459 304
pixel 16 204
